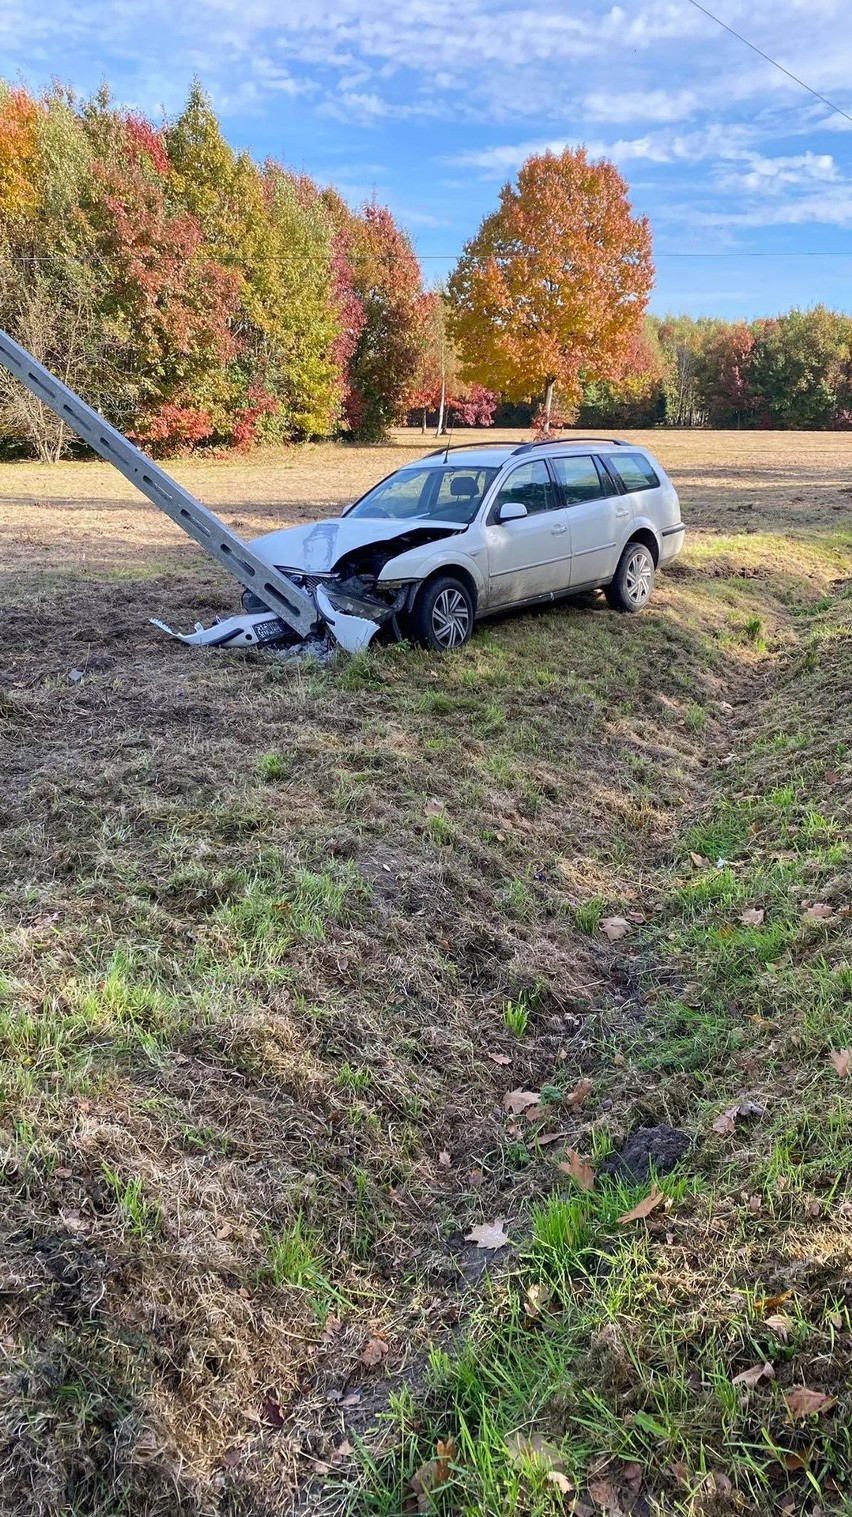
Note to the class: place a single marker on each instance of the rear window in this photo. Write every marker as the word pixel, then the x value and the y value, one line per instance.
pixel 634 471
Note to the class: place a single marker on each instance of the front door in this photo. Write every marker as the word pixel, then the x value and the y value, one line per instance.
pixel 530 556
pixel 600 518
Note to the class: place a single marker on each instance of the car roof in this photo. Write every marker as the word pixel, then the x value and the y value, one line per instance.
pixel 494 455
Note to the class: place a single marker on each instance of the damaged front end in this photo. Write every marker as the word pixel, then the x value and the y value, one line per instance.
pixel 344 603
pixel 343 608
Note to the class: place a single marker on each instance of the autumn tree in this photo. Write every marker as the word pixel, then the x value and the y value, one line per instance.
pixel 387 283
pixel 555 283
pixel 635 396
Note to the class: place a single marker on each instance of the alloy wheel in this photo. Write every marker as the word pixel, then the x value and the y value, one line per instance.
pixel 450 618
pixel 638 577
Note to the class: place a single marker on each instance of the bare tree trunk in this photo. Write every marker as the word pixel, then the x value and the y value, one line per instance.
pixel 423 425
pixel 440 427
pixel 548 404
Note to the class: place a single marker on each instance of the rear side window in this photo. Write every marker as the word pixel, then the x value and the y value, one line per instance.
pixel 580 479
pixel 634 471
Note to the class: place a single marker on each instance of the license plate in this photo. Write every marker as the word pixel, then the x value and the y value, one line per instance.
pixel 267 632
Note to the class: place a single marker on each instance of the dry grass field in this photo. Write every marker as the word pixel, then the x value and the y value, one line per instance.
pixel 277 943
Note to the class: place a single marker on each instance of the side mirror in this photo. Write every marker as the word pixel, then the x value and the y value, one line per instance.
pixel 511 510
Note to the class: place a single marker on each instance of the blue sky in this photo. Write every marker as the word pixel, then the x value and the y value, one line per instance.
pixel 433 104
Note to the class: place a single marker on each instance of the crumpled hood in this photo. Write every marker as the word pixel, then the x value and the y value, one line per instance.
pixel 316 549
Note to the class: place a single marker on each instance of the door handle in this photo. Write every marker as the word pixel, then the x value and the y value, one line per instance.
pixel 623 512
pixel 558 527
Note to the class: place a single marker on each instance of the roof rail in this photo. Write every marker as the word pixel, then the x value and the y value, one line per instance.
pixel 549 442
pixel 448 448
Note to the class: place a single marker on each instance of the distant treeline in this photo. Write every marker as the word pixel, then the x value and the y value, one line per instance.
pixel 792 371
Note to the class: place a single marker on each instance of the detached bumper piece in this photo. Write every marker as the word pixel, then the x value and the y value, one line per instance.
pixel 353 622
pixel 256 629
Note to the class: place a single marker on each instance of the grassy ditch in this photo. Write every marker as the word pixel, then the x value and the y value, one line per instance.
pixel 696 1360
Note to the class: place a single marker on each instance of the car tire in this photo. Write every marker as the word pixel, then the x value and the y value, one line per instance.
pixel 443 614
pixel 633 581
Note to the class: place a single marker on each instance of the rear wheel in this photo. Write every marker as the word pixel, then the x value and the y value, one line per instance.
pixel 443 614
pixel 633 580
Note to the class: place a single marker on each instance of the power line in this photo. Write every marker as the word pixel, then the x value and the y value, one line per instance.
pixel 775 64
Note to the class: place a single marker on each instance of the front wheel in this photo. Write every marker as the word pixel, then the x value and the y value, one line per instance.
pixel 633 580
pixel 443 614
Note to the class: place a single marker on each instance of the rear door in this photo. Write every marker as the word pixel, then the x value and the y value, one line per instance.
pixel 599 515
pixel 530 556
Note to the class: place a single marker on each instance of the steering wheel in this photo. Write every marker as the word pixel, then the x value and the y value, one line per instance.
pixel 380 511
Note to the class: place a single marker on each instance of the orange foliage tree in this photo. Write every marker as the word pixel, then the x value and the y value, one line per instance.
pixel 552 289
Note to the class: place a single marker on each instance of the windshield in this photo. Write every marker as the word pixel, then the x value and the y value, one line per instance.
pixel 453 494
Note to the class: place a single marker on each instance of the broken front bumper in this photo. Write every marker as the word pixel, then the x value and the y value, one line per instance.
pixel 352 620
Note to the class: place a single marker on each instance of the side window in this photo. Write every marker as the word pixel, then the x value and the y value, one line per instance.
pixel 634 470
pixel 579 479
pixel 531 484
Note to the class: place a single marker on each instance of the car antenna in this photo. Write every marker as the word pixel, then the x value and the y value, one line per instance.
pixel 449 436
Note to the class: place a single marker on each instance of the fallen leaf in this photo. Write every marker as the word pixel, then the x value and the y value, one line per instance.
pixel 755 1203
pixel 780 1325
pixel 499 1058
pixel 434 1474
pixel 644 1207
pixel 488 1234
pixel 841 1058
pixel 832 777
pixel 434 808
pixel 475 1178
pixel 577 1096
pixel 536 1299
pixel 793 1461
pixel 614 928
pixel 231 1458
pixel 377 1349
pixel 604 1495
pixel 802 1401
pixel 75 676
pixel 699 861
pixel 819 911
pixel 444 1159
pixel 521 1446
pixel 752 916
pixel 46 919
pixel 543 1139
pixel 719 1484
pixel 351 1398
pixel 635 916
pixel 343 1450
pixel 727 1121
pixel 517 1101
pixel 633 1475
pixel 561 1481
pixel 772 1301
pixel 581 1173
pixel 271 1412
pixel 813 1208
pixel 754 1375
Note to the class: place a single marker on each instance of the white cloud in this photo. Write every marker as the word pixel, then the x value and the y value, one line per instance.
pixel 773 175
pixel 640 105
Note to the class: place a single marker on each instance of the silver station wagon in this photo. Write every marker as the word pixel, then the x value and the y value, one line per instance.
pixel 471 531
